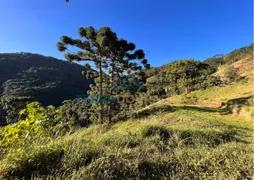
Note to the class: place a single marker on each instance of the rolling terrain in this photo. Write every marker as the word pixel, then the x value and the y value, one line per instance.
pixel 171 139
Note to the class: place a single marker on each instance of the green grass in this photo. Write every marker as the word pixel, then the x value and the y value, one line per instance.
pixel 179 142
pixel 162 141
pixel 217 95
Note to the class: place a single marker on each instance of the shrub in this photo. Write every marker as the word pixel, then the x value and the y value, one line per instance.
pixel 189 99
pixel 232 75
pixel 37 123
pixel 76 112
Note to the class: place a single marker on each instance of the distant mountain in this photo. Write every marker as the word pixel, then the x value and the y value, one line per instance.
pixel 45 79
pixel 232 57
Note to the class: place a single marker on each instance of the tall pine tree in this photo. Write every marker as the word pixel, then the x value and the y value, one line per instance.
pixel 113 60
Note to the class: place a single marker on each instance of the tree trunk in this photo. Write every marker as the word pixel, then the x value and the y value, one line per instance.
pixel 101 110
pixel 110 105
pixel 186 91
pixel 110 93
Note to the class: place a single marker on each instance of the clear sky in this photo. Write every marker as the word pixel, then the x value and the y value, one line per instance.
pixel 166 30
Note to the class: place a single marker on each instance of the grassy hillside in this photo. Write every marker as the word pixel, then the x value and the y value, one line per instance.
pixel 215 96
pixel 240 59
pixel 206 134
pixel 236 98
pixel 239 54
pixel 244 67
pixel 172 142
pixel 164 141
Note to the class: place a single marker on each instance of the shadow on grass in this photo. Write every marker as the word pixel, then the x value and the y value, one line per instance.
pixel 193 137
pixel 236 103
pixel 167 109
pixel 225 108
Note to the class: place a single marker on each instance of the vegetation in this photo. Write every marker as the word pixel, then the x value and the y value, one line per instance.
pixel 177 143
pixel 215 96
pixel 215 61
pixel 181 77
pixel 232 75
pixel 128 121
pixel 161 141
pixel 36 124
pixel 33 77
pixel 112 57
pixel 240 53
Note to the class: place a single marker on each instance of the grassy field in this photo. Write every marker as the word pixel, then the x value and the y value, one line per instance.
pixel 166 142
pixel 215 96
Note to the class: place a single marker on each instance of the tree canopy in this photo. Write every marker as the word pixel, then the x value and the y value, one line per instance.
pixel 113 58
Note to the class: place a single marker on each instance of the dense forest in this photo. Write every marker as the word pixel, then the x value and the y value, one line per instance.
pixel 27 77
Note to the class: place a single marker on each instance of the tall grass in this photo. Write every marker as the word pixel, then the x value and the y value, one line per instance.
pixel 179 144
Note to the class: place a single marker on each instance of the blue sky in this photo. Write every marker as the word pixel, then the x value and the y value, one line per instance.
pixel 166 30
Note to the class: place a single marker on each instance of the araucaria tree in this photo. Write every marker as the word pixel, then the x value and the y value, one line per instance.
pixel 112 59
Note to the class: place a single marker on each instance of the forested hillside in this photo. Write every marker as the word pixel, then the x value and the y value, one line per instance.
pixel 184 76
pixel 33 77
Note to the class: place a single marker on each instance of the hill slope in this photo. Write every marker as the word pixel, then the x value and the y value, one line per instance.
pixel 204 135
pixel 176 143
pixel 164 141
pixel 241 59
pixel 27 77
pixel 244 67
pixel 45 79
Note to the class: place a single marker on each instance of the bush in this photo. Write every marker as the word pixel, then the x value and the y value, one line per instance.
pixel 36 124
pixel 232 75
pixel 76 112
pixel 12 105
pixel 189 99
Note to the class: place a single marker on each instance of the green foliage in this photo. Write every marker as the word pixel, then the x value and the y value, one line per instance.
pixel 216 95
pixel 231 75
pixel 182 77
pixel 215 61
pixel 76 112
pixel 185 76
pixel 36 124
pixel 27 77
pixel 189 100
pixel 239 54
pixel 185 143
pixel 12 105
pixel 112 57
